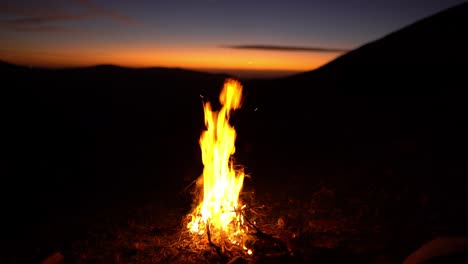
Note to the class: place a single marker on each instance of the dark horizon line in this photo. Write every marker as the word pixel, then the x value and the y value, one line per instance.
pixel 284 48
pixel 143 67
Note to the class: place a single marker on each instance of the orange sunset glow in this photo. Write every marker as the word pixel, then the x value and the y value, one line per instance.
pixel 211 36
pixel 190 58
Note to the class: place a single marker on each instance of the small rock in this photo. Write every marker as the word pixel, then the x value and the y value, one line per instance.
pixel 55 258
pixel 140 246
pixel 281 222
pixel 238 260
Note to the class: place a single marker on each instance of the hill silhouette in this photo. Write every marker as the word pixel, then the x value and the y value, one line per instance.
pixel 389 113
pixel 426 54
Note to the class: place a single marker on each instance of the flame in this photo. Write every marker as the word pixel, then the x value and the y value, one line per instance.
pixel 218 212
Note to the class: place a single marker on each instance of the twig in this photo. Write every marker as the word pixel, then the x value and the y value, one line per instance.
pixel 217 248
pixel 260 234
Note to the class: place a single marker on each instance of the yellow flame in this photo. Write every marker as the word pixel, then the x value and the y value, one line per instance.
pixel 218 212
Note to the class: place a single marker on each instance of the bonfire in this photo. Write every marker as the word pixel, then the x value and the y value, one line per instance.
pixel 218 215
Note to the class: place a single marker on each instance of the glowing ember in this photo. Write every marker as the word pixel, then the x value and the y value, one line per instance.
pixel 218 214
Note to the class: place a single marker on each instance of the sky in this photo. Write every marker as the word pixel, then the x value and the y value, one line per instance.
pixel 282 36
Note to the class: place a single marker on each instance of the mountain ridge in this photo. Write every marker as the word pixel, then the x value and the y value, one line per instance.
pixel 426 52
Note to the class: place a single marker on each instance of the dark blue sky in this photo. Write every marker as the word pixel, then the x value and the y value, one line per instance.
pixel 198 34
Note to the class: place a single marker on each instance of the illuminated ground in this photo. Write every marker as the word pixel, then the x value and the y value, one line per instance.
pixel 323 225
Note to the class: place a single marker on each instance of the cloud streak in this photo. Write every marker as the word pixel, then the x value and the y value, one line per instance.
pixel 11 25
pixel 35 19
pixel 284 48
pixel 105 12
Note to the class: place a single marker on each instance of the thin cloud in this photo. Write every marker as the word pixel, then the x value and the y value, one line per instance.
pixel 284 48
pixel 35 19
pixel 9 25
pixel 42 24
pixel 102 11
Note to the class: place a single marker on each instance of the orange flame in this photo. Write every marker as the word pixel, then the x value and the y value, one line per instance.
pixel 218 212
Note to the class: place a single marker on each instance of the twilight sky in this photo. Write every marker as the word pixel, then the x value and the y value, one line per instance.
pixel 289 35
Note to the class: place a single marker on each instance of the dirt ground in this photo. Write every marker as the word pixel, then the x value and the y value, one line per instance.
pixel 322 226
